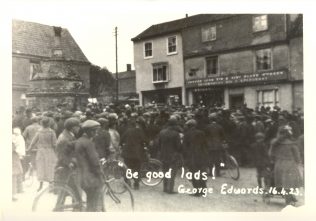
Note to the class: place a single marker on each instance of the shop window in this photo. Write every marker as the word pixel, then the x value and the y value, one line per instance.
pixel 212 65
pixel 148 50
pixel 160 73
pixel 35 68
pixel 208 33
pixel 268 98
pixel 260 23
pixel 263 59
pixel 172 45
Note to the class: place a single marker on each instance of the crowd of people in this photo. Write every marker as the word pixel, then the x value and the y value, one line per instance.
pixel 269 139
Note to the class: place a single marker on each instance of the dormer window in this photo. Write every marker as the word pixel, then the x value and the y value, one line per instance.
pixel 57 53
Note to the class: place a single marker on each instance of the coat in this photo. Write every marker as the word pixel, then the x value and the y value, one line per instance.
pixel 29 133
pixel 169 144
pixel 214 136
pixel 102 142
pixel 260 154
pixel 90 175
pixel 286 157
pixel 45 143
pixel 133 143
pixel 65 151
pixel 195 149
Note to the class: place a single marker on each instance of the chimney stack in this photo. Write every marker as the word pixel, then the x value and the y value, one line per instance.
pixel 186 15
pixel 128 67
pixel 57 51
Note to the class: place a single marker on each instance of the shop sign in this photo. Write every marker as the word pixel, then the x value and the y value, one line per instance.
pixel 239 79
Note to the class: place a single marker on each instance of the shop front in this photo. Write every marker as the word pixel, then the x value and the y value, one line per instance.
pixel 170 96
pixel 233 91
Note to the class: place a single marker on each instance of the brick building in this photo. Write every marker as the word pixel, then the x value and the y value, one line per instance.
pixel 48 67
pixel 233 60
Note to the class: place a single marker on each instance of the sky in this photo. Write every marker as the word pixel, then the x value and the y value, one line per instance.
pixel 92 25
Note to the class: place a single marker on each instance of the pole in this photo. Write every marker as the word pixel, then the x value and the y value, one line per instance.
pixel 116 71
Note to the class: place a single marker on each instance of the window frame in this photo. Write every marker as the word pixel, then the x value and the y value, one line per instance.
pixel 217 65
pixel 271 59
pixel 161 65
pixel 254 30
pixel 260 98
pixel 144 50
pixel 209 27
pixel 32 68
pixel 176 45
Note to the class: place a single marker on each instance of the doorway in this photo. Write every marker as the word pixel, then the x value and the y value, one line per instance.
pixel 236 101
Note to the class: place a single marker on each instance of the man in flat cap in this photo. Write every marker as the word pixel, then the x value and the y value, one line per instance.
pixel 169 145
pixel 90 173
pixel 195 153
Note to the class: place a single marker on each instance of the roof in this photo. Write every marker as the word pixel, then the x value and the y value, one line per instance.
pixel 36 39
pixel 125 74
pixel 178 25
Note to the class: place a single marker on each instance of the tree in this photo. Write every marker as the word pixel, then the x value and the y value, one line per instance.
pixel 101 81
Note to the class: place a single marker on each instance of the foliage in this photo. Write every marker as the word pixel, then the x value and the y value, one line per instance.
pixel 101 81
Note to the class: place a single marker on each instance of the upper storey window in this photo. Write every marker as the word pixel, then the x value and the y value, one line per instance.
pixel 260 23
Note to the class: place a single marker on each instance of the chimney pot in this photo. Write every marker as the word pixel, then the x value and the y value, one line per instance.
pixel 57 31
pixel 128 67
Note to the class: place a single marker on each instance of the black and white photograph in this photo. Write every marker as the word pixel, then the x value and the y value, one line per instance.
pixel 141 106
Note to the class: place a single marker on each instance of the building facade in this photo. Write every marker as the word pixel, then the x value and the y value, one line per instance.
pixel 244 59
pixel 159 67
pixel 127 85
pixel 48 67
pixel 230 60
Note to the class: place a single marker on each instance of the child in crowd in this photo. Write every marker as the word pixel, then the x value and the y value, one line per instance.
pixel 261 160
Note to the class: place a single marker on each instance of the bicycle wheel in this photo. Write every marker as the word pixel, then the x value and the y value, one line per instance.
pixel 29 177
pixel 115 169
pixel 155 168
pixel 114 202
pixel 56 198
pixel 232 167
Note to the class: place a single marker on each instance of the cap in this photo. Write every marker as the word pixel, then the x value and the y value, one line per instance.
pixel 90 124
pixel 191 122
pixel 71 122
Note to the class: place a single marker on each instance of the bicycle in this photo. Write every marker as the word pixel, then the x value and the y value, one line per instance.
pixel 228 163
pixel 59 197
pixel 115 169
pixel 154 166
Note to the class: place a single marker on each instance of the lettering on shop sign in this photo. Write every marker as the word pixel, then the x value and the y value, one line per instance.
pixel 238 79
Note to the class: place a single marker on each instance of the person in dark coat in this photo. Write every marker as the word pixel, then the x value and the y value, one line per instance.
pixel 288 168
pixel 261 159
pixel 133 143
pixel 91 177
pixel 65 151
pixel 215 137
pixel 102 140
pixel 169 145
pixel 195 153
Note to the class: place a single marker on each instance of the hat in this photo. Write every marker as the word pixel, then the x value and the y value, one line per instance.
pixel 71 122
pixel 172 121
pixel 103 121
pixel 259 135
pixel 268 120
pixel 191 122
pixel 113 116
pixel 89 124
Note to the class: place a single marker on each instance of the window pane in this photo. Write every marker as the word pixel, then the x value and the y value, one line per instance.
pixel 172 44
pixel 263 59
pixel 211 65
pixel 260 23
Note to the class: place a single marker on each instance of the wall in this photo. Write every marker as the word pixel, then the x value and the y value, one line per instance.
pixel 234 32
pixel 144 68
pixel 241 61
pixel 296 58
pixel 127 85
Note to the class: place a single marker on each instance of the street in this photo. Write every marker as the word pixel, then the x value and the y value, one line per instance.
pixel 153 199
